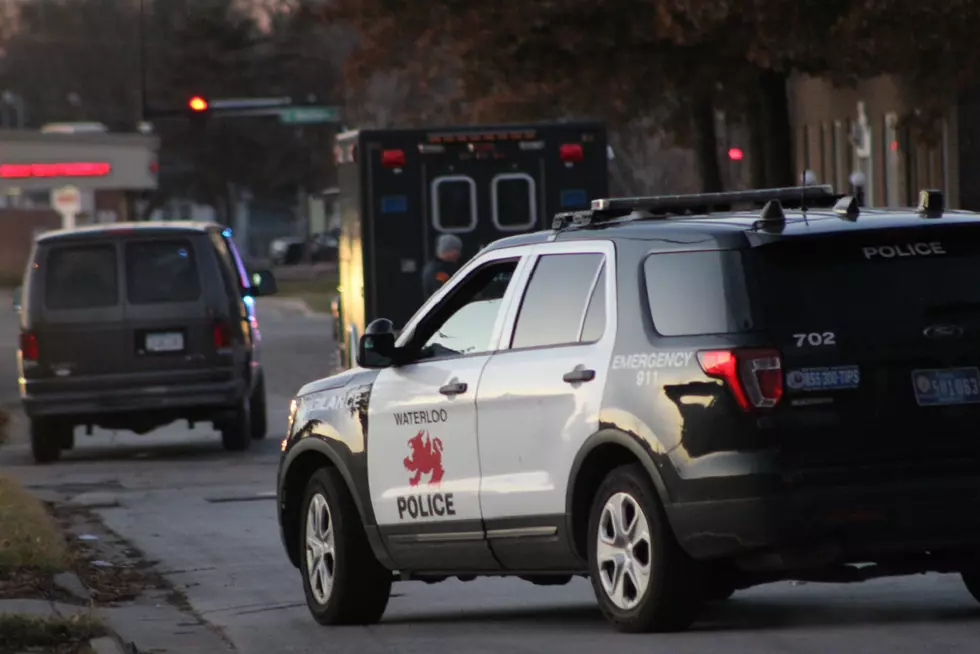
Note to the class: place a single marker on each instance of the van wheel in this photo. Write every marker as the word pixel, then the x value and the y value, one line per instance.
pixel 642 578
pixel 236 433
pixel 48 438
pixel 260 420
pixel 343 582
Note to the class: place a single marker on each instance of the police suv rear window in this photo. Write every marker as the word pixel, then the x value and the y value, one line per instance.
pixel 881 283
pixel 161 271
pixel 693 293
pixel 81 277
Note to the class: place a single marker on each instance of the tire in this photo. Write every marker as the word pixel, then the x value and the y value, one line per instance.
pixel 661 589
pixel 972 581
pixel 720 584
pixel 361 586
pixel 236 434
pixel 718 593
pixel 257 408
pixel 49 438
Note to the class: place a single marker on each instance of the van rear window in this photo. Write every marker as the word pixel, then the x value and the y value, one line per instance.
pixel 81 277
pixel 161 271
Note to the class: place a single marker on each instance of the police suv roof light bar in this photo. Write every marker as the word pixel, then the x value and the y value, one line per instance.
pixel 605 209
pixel 669 203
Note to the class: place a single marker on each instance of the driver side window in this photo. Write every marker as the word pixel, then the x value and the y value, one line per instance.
pixel 464 324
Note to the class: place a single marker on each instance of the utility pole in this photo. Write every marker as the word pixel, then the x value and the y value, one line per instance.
pixel 142 56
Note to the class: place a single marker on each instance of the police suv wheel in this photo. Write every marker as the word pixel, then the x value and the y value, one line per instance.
pixel 344 583
pixel 642 578
pixel 972 581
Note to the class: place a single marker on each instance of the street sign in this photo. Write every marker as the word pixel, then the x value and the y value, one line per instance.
pixel 67 201
pixel 302 115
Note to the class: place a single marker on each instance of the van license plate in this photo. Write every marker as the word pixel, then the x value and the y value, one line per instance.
pixel 946 386
pixel 165 342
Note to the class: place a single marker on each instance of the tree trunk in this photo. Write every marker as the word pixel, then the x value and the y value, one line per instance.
pixel 778 134
pixel 706 141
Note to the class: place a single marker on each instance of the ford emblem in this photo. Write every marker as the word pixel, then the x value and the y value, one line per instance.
pixel 943 331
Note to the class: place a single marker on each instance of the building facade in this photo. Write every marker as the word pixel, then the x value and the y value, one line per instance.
pixel 106 169
pixel 842 131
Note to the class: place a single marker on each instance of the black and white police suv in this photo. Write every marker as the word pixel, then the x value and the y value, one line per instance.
pixel 675 396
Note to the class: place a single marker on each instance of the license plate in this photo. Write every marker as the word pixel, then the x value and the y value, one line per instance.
pixel 165 342
pixel 946 386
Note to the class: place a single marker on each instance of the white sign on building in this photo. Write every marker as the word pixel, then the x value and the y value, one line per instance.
pixel 67 201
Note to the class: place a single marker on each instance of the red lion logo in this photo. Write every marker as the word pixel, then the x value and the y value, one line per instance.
pixel 426 458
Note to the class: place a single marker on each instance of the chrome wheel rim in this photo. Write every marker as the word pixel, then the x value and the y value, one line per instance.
pixel 320 548
pixel 624 551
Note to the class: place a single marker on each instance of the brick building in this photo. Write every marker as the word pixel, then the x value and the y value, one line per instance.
pixel 842 130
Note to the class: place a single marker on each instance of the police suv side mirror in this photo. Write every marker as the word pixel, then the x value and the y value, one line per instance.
pixel 376 348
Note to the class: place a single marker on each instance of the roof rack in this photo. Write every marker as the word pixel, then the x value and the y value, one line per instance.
pixel 605 209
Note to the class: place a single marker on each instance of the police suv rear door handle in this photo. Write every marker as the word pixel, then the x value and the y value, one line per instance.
pixel 579 375
pixel 453 388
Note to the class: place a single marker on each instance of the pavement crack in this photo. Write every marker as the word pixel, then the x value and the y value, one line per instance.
pixel 248 609
pixel 187 570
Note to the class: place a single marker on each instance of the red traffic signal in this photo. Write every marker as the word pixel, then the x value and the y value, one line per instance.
pixel 197 103
pixel 735 154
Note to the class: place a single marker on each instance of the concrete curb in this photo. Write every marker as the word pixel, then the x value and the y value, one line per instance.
pixel 109 645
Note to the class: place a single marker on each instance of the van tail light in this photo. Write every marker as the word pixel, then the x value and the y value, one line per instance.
pixel 222 335
pixel 28 346
pixel 755 376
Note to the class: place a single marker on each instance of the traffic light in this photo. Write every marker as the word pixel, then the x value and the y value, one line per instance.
pixel 197 104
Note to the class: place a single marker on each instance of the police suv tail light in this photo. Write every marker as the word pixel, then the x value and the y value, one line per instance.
pixel 29 349
pixel 755 377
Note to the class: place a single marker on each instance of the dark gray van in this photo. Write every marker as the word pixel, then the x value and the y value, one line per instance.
pixel 133 326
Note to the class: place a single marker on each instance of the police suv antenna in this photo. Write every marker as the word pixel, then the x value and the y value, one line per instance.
pixel 808 179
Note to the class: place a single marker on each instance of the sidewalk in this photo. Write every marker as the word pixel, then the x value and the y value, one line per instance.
pixel 68 585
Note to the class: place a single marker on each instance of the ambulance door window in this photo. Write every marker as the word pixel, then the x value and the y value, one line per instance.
pixel 513 198
pixel 454 204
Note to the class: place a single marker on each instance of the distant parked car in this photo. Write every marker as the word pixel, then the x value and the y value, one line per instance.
pixel 136 325
pixel 289 250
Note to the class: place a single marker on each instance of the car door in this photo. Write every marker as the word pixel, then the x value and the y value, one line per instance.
pixel 540 396
pixel 423 464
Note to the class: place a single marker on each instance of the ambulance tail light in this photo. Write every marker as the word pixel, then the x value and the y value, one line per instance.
pixel 754 376
pixel 29 349
pixel 571 152
pixel 393 158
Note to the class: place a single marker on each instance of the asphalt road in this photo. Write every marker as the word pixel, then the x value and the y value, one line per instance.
pixel 208 518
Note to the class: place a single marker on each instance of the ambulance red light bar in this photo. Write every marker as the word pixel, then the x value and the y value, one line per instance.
pixel 393 158
pixel 571 152
pixel 65 169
